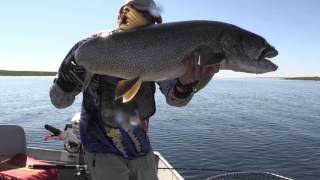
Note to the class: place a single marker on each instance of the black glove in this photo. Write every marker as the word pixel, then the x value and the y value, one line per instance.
pixel 70 75
pixel 187 89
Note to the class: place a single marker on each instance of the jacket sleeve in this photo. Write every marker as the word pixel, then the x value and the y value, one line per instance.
pixel 174 98
pixel 68 81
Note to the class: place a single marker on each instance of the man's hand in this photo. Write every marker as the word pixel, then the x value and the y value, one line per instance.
pixel 195 72
pixel 70 76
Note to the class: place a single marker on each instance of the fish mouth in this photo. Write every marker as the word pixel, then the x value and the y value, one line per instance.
pixel 263 59
pixel 268 52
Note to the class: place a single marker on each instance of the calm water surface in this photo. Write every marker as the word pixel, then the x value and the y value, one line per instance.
pixel 233 124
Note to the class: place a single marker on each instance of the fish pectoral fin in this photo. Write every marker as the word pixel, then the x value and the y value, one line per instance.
pixel 207 57
pixel 127 89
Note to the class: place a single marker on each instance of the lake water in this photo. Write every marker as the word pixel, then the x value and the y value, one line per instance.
pixel 233 125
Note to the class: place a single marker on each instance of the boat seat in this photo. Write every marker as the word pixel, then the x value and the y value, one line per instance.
pixel 12 141
pixel 14 162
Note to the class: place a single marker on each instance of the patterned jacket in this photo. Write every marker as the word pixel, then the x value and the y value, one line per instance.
pixel 107 125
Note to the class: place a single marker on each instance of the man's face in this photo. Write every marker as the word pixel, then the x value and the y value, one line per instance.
pixel 131 18
pixel 122 19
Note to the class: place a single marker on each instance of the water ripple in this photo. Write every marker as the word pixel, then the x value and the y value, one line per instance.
pixel 233 124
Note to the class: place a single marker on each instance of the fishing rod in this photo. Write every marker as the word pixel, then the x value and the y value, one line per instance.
pixel 198 169
pixel 45 166
pixel 237 174
pixel 72 145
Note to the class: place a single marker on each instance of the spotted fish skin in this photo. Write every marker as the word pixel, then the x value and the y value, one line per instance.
pixel 160 52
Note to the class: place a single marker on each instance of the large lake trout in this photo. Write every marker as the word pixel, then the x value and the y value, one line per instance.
pixel 160 52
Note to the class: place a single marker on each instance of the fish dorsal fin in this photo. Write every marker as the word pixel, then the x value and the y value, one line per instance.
pixel 127 89
pixel 207 57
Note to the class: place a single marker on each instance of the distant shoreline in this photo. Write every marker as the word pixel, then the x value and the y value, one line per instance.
pixel 50 73
pixel 315 78
pixel 27 73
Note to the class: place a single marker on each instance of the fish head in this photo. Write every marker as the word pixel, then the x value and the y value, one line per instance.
pixel 248 52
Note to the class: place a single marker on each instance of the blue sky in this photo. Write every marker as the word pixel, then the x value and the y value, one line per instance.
pixel 37 34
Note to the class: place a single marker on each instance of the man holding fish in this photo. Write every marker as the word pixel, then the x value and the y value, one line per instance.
pixel 114 129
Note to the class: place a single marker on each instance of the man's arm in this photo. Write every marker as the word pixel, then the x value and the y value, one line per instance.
pixel 68 81
pixel 179 92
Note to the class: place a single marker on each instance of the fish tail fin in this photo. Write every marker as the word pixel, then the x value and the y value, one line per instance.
pixel 127 89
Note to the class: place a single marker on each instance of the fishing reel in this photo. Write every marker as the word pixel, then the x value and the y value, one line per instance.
pixel 70 135
pixel 72 144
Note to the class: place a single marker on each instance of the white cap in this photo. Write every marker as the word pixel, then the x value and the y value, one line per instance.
pixel 145 5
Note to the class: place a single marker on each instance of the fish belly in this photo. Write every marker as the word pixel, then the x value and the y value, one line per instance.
pixel 169 73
